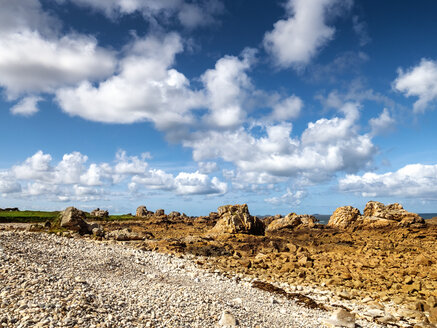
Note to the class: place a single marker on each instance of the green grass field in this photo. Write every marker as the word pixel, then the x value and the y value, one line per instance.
pixel 27 216
pixel 41 216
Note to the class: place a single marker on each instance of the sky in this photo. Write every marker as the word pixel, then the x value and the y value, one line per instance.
pixel 287 105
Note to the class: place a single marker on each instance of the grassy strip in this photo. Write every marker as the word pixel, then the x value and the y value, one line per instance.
pixel 41 216
pixel 27 216
pixel 115 218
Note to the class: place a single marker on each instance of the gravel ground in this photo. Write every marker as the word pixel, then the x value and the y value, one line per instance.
pixel 51 281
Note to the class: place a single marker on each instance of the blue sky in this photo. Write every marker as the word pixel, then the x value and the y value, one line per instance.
pixel 290 105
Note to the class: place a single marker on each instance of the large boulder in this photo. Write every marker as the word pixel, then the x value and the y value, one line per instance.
pixel 142 211
pixel 376 215
pixel 74 219
pixel 99 213
pixel 344 217
pixel 292 221
pixel 237 219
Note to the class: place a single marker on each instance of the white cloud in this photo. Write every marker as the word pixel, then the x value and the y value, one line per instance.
pixel 19 15
pixel 289 198
pixel 419 81
pixel 326 147
pixel 414 180
pixel 73 179
pixel 227 86
pixel 35 58
pixel 189 13
pixel 294 41
pixel 382 124
pixel 36 167
pixel 62 61
pixel 207 167
pixel 8 185
pixel 144 89
pixel 197 183
pixel 27 106
pixel 287 109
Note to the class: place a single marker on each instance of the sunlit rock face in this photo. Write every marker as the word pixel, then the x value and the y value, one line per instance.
pixel 237 219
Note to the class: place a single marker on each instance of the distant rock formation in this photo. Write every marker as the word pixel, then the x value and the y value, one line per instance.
pixel 99 213
pixel 292 221
pixel 142 211
pixel 160 212
pixel 173 215
pixel 376 215
pixel 237 219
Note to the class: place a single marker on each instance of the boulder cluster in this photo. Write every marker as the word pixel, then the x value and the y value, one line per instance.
pixel 376 215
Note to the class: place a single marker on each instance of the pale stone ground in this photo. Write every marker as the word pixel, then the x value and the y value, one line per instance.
pixel 51 281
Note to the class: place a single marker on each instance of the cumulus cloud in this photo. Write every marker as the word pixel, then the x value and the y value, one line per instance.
pixel 287 109
pixel 27 106
pixel 289 198
pixel 326 147
pixel 145 88
pixel 8 185
pixel 294 41
pixel 72 178
pixel 207 167
pixel 189 13
pixel 419 81
pixel 382 124
pixel 414 180
pixel 61 60
pixel 227 86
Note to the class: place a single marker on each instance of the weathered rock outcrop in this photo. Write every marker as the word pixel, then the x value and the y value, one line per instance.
pixel 99 213
pixel 142 211
pixel 237 219
pixel 173 215
pixel 392 212
pixel 376 215
pixel 292 221
pixel 160 212
pixel 344 217
pixel 74 219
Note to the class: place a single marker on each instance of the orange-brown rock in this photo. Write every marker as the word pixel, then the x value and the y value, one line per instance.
pixel 237 219
pixel 344 217
pixel 393 212
pixel 292 221
pixel 376 215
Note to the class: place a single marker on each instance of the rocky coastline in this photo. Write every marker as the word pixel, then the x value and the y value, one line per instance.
pixel 378 268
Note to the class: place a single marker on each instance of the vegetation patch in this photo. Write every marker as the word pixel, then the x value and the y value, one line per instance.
pixel 27 216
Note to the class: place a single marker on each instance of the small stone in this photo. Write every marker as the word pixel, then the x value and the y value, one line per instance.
pixel 341 318
pixel 227 319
